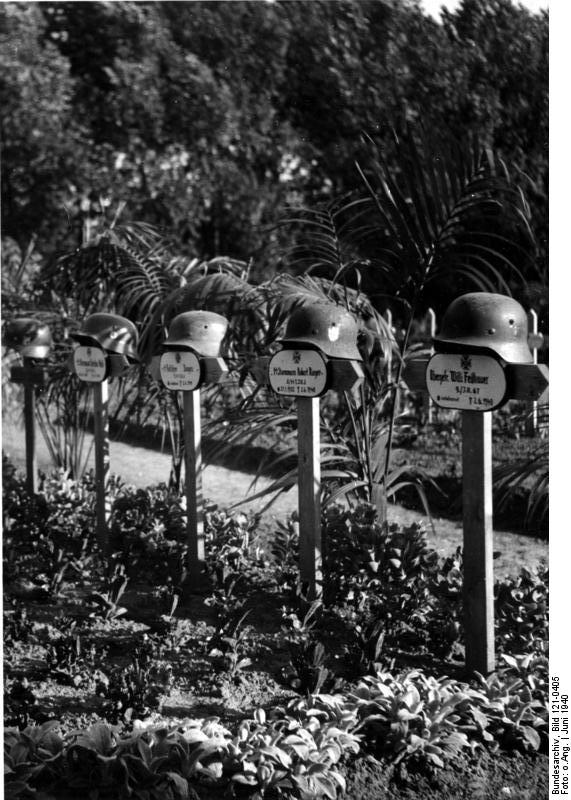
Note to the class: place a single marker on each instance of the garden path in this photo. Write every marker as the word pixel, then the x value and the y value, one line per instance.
pixel 142 467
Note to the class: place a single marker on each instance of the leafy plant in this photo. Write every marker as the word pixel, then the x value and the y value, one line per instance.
pixel 302 622
pixel 308 671
pixel 75 663
pixel 228 645
pixel 510 478
pixel 16 627
pixel 20 703
pixel 521 610
pixel 134 692
pixel 107 602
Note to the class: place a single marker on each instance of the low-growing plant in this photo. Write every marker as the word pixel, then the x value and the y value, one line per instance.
pixel 521 606
pixel 515 718
pixel 134 691
pixel 20 703
pixel 228 538
pixel 74 663
pixel 107 603
pixel 307 670
pixel 224 599
pixel 412 715
pixel 228 645
pixel 16 627
pixel 27 755
pixel 304 620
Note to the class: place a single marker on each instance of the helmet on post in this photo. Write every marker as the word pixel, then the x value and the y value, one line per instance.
pixel 110 332
pixel 488 321
pixel 201 331
pixel 30 337
pixel 327 326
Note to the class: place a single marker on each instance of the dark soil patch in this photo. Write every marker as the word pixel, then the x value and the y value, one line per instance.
pixel 481 777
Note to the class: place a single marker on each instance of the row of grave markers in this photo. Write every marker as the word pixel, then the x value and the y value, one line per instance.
pixel 309 364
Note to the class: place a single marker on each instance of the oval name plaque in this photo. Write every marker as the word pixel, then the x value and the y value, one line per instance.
pixel 298 373
pixel 180 370
pixel 466 382
pixel 90 364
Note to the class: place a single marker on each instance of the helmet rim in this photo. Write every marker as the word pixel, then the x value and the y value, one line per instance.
pixel 205 341
pixel 318 319
pixel 485 321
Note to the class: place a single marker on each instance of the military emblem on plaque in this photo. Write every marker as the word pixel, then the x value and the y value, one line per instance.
pixel 319 345
pixel 107 347
pixel 481 336
pixel 192 351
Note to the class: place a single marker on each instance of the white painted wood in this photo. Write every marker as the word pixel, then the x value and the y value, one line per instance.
pixel 101 445
pixel 310 546
pixel 478 590
pixel 194 499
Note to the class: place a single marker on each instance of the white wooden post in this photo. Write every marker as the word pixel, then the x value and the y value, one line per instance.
pixel 477 507
pixel 194 499
pixel 30 433
pixel 531 420
pixel 101 442
pixel 388 316
pixel 431 316
pixel 309 490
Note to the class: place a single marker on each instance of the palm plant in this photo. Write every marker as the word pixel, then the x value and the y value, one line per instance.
pixel 452 215
pixel 449 213
pixel 531 472
pixel 73 285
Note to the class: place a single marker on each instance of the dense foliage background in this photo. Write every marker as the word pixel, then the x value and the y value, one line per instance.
pixel 209 119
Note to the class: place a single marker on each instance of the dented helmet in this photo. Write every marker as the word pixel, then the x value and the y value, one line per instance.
pixel 30 337
pixel 109 332
pixel 201 331
pixel 329 327
pixel 493 322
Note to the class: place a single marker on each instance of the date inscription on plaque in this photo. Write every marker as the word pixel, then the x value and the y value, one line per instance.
pixel 90 364
pixel 298 373
pixel 466 382
pixel 180 370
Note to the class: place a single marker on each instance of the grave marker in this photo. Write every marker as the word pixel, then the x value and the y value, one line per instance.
pixel 471 372
pixel 107 345
pixel 32 339
pixel 191 359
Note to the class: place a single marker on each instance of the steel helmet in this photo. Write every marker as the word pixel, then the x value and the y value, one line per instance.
pixel 329 327
pixel 484 320
pixel 201 331
pixel 110 332
pixel 30 337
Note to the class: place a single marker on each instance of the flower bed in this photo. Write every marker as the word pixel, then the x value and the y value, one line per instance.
pixel 120 682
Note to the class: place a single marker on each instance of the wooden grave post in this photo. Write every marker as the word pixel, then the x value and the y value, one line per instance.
pixel 535 341
pixel 307 374
pixel 185 371
pixel 476 385
pixel 93 365
pixel 193 487
pixel 30 375
pixel 309 494
pixel 478 592
pixel 101 447
pixel 431 316
pixel 105 343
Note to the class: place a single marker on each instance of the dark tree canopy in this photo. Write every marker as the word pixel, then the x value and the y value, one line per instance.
pixel 208 119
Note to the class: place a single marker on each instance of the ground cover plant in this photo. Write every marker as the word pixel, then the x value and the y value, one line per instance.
pixel 120 682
